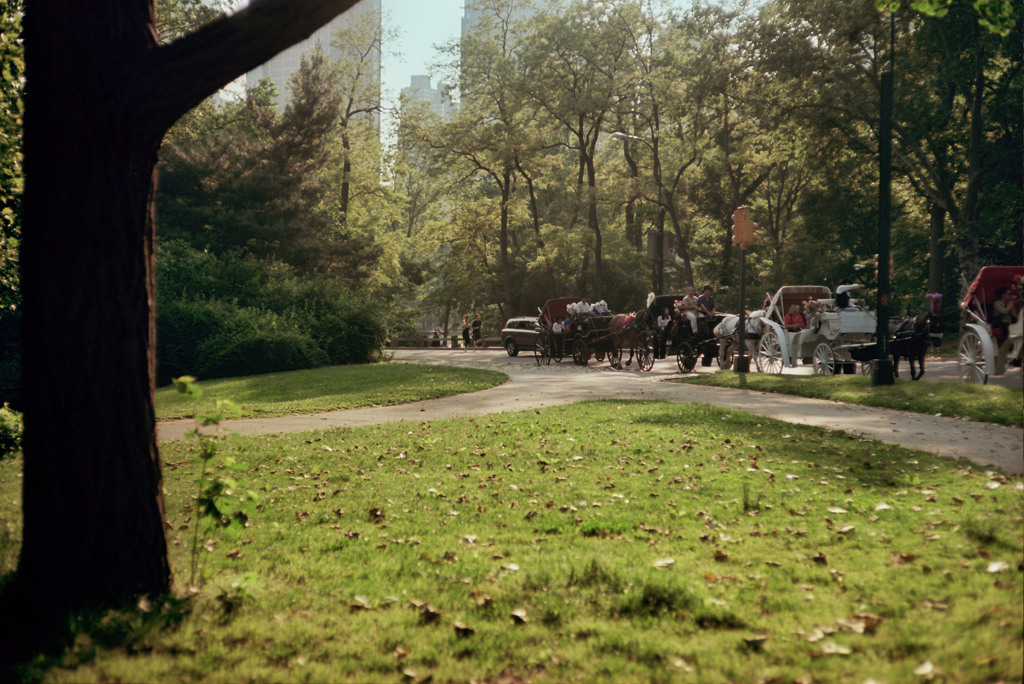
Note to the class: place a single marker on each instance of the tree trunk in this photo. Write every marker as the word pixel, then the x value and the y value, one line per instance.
pixel 100 94
pixel 506 266
pixel 936 254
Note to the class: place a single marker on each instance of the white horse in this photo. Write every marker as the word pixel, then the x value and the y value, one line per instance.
pixel 727 333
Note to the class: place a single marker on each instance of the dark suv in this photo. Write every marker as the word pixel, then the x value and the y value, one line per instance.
pixel 519 333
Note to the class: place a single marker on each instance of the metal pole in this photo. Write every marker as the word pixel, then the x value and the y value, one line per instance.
pixel 742 362
pixel 881 372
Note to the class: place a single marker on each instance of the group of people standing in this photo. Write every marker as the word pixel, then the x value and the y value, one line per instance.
pixel 471 330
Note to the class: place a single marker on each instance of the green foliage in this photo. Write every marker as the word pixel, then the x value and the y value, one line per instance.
pixel 12 76
pixel 249 350
pixel 218 504
pixel 10 431
pixel 226 316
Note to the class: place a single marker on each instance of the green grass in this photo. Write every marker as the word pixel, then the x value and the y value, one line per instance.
pixel 599 542
pixel 975 402
pixel 328 389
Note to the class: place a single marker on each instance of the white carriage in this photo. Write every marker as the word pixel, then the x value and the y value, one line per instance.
pixel 825 342
pixel 984 349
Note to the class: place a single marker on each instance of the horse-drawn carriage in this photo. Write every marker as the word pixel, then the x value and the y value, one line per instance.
pixel 571 326
pixel 551 341
pixel 827 341
pixel 985 347
pixel 688 345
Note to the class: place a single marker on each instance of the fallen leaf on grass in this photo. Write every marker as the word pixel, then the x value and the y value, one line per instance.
pixel 820 558
pixel 832 648
pixel 756 642
pixel 998 566
pixel 902 558
pixel 410 675
pixel 519 616
pixel 428 615
pixel 926 669
pixel 882 506
pixel 462 629
pixel 721 556
pixel 845 529
pixel 665 562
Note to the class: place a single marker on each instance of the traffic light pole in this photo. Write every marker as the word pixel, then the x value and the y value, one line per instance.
pixel 881 370
pixel 742 362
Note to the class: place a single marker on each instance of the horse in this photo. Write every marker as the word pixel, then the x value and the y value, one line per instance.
pixel 727 334
pixel 625 330
pixel 911 340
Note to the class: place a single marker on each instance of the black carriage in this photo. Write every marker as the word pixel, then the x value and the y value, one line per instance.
pixel 552 341
pixel 686 345
pixel 588 335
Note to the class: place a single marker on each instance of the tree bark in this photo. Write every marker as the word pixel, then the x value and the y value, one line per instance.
pixel 936 251
pixel 100 95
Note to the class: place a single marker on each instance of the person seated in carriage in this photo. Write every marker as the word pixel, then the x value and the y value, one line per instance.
pixel 1005 310
pixel 795 319
pixel 689 308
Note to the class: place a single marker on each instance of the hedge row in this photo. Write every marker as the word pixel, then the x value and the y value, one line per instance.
pixel 225 317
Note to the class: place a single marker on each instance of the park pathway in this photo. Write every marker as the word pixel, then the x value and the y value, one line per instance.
pixel 531 387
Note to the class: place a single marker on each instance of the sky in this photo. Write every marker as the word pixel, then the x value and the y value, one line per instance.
pixel 422 24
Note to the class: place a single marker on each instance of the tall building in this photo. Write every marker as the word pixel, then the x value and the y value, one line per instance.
pixel 281 67
pixel 438 99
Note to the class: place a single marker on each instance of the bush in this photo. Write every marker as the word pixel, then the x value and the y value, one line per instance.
pixel 223 316
pixel 10 431
pixel 226 356
pixel 182 328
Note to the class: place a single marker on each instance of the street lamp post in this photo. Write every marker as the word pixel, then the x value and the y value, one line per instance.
pixel 660 259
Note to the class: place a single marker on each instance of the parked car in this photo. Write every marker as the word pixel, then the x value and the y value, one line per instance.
pixel 519 333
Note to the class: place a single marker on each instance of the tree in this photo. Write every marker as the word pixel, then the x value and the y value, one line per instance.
pixel 101 94
pixel 578 59
pixel 12 66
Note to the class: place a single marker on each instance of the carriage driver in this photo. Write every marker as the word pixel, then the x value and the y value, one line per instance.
pixel 706 303
pixel 689 307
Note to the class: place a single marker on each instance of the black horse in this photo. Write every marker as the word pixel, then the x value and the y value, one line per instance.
pixel 911 341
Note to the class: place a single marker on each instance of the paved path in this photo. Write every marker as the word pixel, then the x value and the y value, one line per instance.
pixel 531 387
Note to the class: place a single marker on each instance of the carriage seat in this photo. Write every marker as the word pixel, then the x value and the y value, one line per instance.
pixel 798 295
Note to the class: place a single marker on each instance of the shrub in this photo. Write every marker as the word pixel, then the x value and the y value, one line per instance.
pixel 222 316
pixel 10 431
pixel 182 328
pixel 266 352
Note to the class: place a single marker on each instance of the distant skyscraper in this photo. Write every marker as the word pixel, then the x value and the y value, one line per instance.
pixel 281 67
pixel 438 99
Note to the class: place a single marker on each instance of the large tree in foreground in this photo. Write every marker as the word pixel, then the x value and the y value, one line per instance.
pixel 101 93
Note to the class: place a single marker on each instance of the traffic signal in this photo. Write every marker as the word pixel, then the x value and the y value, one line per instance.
pixel 743 229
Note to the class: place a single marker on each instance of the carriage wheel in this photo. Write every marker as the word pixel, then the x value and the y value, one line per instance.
pixel 824 359
pixel 971 359
pixel 599 356
pixel 580 355
pixel 686 358
pixel 866 367
pixel 726 354
pixel 557 347
pixel 542 353
pixel 769 354
pixel 644 352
